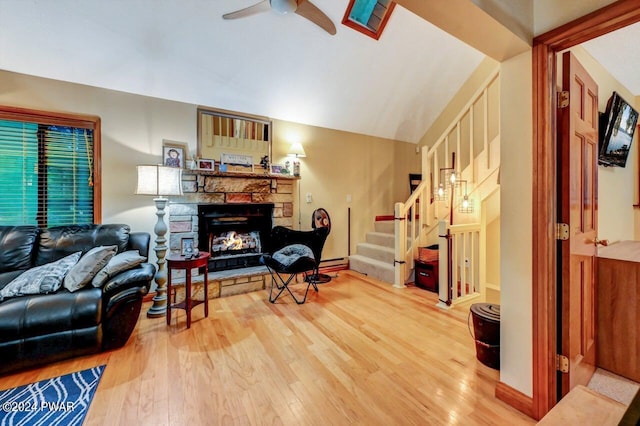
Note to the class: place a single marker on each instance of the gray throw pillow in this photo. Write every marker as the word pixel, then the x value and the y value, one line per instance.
pixel 289 254
pixel 88 266
pixel 118 263
pixel 42 279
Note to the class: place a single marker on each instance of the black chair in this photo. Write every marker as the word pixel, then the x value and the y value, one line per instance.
pixel 290 253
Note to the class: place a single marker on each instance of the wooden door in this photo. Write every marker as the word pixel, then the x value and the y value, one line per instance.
pixel 577 207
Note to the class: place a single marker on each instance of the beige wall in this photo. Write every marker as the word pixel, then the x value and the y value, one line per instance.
pixel 616 185
pixel 373 170
pixel 491 219
pixel 516 171
pixel 516 15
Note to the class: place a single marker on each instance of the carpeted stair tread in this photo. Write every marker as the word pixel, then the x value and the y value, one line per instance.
pixel 381 239
pixel 375 251
pixel 385 226
pixel 373 268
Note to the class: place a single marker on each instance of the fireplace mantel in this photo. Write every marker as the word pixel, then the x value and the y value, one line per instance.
pixel 239 174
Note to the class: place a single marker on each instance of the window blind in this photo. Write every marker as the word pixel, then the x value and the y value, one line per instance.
pixel 18 173
pixel 67 196
pixel 45 174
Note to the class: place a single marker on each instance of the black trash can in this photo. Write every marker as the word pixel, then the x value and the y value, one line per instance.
pixel 486 333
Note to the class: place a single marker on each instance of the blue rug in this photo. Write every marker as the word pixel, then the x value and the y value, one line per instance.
pixel 61 400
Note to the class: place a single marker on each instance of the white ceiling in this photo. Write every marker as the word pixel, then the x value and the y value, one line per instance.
pixel 281 66
pixel 620 55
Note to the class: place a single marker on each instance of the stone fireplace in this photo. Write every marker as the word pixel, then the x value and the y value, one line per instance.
pixel 230 273
pixel 234 234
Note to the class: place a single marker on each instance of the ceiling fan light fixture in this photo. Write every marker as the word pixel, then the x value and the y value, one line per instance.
pixel 284 6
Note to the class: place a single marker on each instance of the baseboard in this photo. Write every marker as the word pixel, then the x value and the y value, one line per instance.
pixel 515 398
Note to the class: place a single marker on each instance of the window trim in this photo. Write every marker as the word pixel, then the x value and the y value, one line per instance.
pixel 84 121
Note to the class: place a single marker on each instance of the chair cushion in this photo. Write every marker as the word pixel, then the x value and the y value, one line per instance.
pixel 289 254
pixel 41 279
pixel 294 258
pixel 88 266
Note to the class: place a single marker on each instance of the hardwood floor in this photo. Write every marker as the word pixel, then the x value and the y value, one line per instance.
pixel 358 352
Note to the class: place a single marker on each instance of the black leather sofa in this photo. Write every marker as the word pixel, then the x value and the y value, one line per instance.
pixel 43 328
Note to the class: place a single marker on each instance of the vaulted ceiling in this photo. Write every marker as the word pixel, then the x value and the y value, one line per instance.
pixel 280 66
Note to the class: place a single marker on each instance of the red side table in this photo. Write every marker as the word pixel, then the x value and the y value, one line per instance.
pixel 179 262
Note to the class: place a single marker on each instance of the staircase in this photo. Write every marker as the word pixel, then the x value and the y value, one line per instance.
pixel 374 257
pixel 459 169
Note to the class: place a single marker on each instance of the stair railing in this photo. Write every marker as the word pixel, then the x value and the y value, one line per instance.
pixel 459 250
pixel 420 213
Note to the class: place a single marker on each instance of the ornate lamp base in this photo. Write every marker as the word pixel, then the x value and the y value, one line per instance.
pixel 159 307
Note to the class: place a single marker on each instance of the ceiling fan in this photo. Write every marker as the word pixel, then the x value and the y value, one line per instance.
pixel 304 8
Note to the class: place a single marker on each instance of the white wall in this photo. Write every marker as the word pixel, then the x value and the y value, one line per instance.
pixel 516 171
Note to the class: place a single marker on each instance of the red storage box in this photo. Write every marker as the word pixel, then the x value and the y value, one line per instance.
pixel 427 275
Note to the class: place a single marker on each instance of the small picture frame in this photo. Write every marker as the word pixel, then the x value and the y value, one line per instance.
pixel 205 164
pixel 174 154
pixel 186 246
pixel 276 169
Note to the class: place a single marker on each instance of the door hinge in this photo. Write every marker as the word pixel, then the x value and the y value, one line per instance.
pixel 562 363
pixel 563 99
pixel 562 231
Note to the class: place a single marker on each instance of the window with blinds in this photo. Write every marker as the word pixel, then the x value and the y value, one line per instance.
pixel 46 173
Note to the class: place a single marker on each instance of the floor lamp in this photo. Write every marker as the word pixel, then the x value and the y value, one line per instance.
pixel 159 181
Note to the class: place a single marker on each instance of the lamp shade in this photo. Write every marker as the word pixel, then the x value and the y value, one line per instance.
pixel 159 180
pixel 297 151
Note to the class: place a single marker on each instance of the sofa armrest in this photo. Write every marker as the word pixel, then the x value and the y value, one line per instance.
pixel 140 276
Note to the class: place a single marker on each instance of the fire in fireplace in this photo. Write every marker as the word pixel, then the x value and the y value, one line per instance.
pixel 234 234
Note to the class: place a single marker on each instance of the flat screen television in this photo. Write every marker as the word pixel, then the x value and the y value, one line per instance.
pixel 617 126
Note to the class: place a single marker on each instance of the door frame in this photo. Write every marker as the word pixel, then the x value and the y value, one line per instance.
pixel 544 265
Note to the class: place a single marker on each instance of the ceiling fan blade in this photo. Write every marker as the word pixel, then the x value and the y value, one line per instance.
pixel 263 6
pixel 308 10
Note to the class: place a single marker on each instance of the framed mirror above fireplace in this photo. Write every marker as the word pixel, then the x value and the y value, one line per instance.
pixel 225 134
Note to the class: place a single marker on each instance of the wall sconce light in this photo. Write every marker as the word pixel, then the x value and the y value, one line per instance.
pixel 441 193
pixel 447 178
pixel 466 205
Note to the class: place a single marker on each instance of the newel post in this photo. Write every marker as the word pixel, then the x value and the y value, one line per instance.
pixel 400 267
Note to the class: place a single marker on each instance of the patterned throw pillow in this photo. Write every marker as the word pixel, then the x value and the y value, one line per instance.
pixel 118 263
pixel 42 279
pixel 88 266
